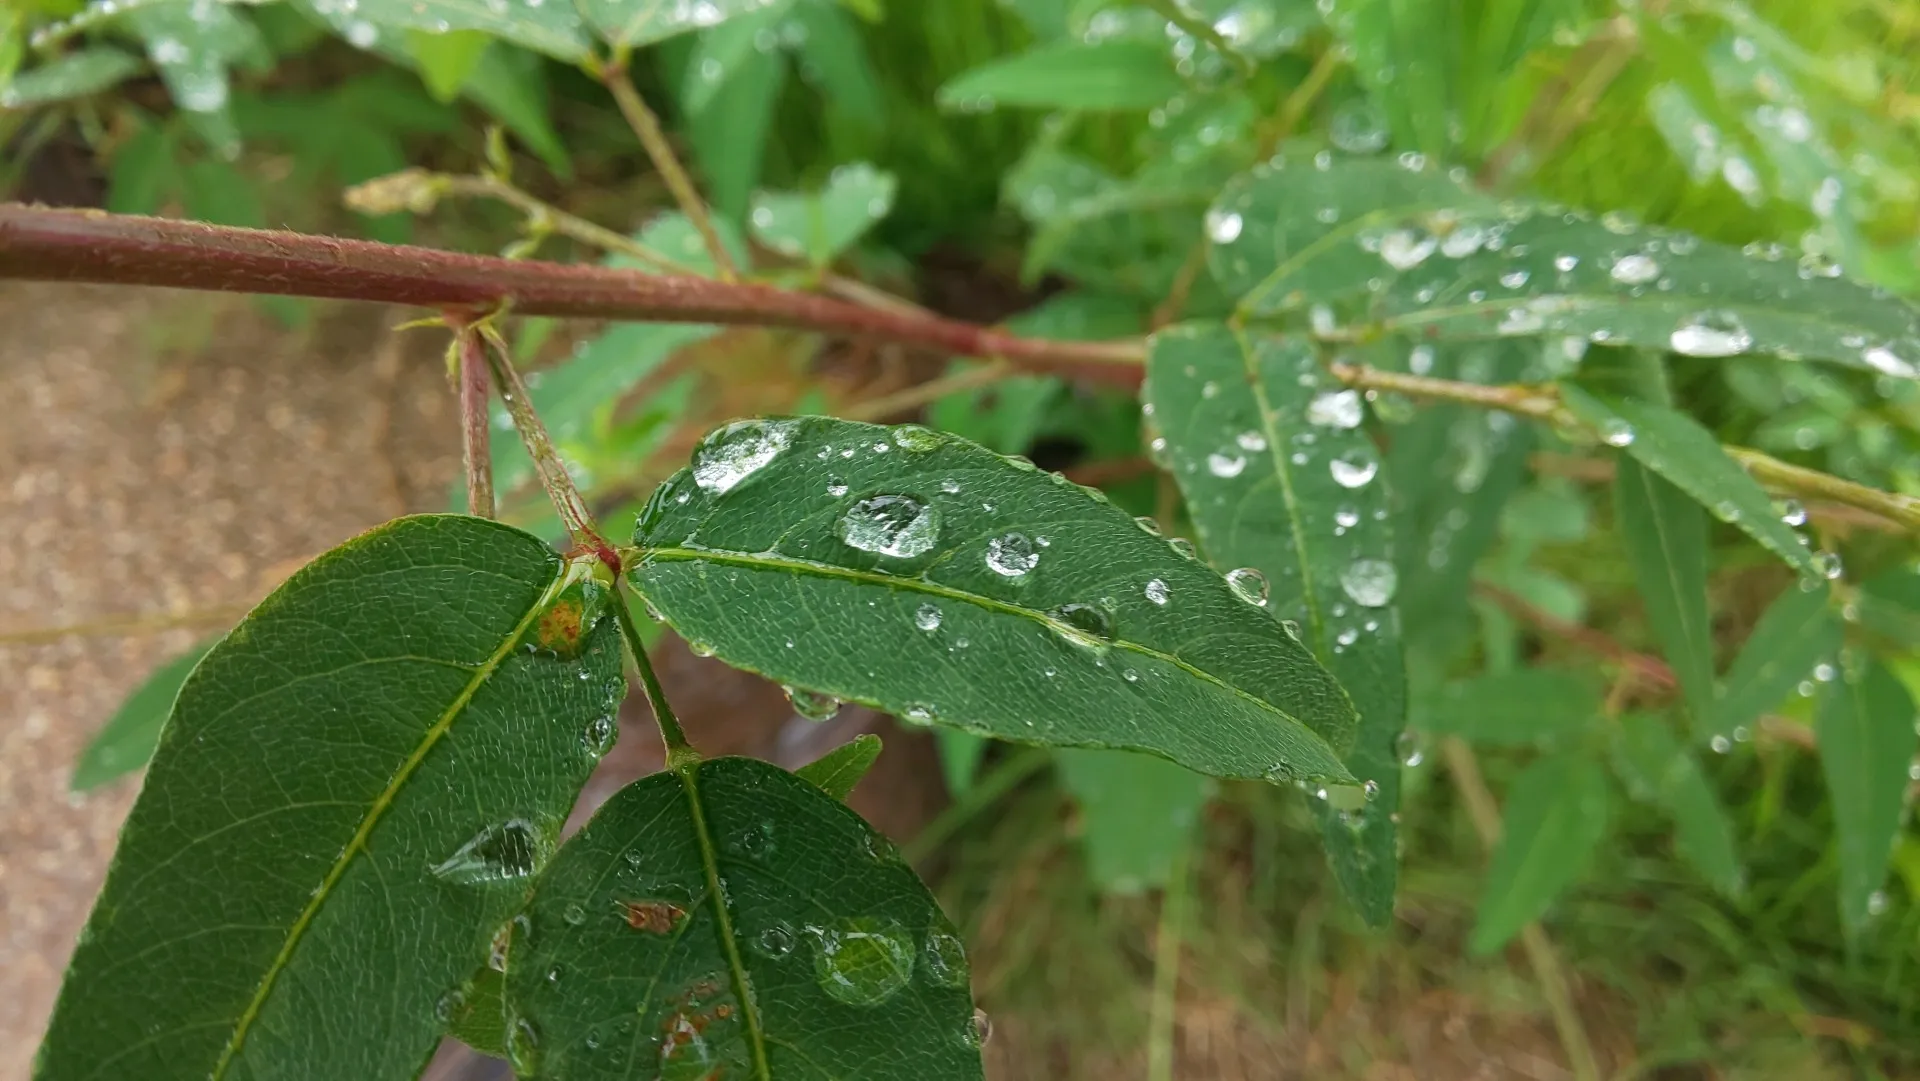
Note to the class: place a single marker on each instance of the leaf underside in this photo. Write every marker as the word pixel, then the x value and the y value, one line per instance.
pixel 443 671
pixel 928 577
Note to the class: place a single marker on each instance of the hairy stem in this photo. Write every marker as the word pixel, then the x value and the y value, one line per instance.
pixel 647 126
pixel 679 751
pixel 567 501
pixel 476 428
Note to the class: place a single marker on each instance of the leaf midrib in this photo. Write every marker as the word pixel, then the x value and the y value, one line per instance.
pixel 373 817
pixel 1309 592
pixel 736 966
pixel 1662 528
pixel 932 589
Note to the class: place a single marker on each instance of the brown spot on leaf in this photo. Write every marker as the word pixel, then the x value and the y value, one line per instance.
pixel 560 625
pixel 654 917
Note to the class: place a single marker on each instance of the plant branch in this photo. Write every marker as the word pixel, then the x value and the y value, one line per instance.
pixel 476 427
pixel 40 244
pixel 123 625
pixel 679 751
pixel 389 193
pixel 647 126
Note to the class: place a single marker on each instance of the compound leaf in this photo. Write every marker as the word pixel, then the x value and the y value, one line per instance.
pixel 729 919
pixel 351 794
pixel 928 577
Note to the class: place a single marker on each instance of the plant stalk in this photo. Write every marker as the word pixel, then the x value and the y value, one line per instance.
pixel 476 428
pixel 680 753
pixel 646 125
pixel 568 503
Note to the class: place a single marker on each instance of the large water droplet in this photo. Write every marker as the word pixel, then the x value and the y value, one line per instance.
pixel 811 704
pixel 1635 269
pixel 523 1047
pixel 1223 227
pixel 599 735
pixel 1335 409
pixel 1090 618
pixel 1369 582
pixel 890 525
pixel 944 959
pixel 1011 555
pixel 1615 432
pixel 1353 469
pixel 927 617
pixel 1249 585
pixel 502 852
pixel 917 440
pixel 1404 249
pixel 1711 334
pixel 1157 591
pixel 862 961
pixel 737 451
pixel 1227 465
pixel 1886 361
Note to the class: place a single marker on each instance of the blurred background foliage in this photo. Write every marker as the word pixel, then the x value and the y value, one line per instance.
pixel 1050 163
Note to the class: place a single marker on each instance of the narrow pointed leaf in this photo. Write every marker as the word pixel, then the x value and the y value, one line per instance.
pixel 1665 536
pixel 1675 446
pixel 1137 814
pixel 837 771
pixel 1527 707
pixel 126 742
pixel 1110 75
pixel 1796 633
pixel 1283 487
pixel 1383 242
pixel 818 226
pixel 633 23
pixel 732 921
pixel 545 26
pixel 1865 728
pixel 77 74
pixel 1657 768
pixel 1556 812
pixel 928 577
pixel 267 918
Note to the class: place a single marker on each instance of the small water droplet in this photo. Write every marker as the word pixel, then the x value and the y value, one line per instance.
pixel 756 840
pixel 944 959
pixel 981 1030
pixel 523 1047
pixel 927 617
pixel 1335 409
pixel 862 961
pixel 1615 432
pixel 1147 525
pixel 1223 227
pixel 502 852
pixel 1720 744
pixel 1227 465
pixel 1828 565
pixel 899 526
pixel 1635 269
pixel 1011 555
pixel 1090 618
pixel 1249 585
pixel 835 488
pixel 1406 747
pixel 1877 903
pixel 950 487
pixel 917 440
pixel 1371 790
pixel 1156 591
pixel 1711 334
pixel 776 941
pixel 1292 628
pixel 1370 582
pixel 811 704
pixel 919 714
pixel 736 451
pixel 1353 469
pixel 599 735
pixel 1184 547
pixel 1792 512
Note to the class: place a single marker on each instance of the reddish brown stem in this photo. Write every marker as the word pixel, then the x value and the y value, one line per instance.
pixel 476 430
pixel 39 244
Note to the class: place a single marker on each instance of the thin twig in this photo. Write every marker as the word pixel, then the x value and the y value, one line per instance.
pixel 913 397
pixel 476 421
pixel 1540 953
pixel 554 477
pixel 560 221
pixel 1162 1016
pixel 647 126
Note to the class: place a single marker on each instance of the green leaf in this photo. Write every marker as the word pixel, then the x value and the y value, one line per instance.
pixel 444 61
pixel 927 577
pixel 673 236
pixel 192 45
pixel 1109 75
pixel 1794 635
pixel 1402 247
pixel 630 24
pixel 1137 814
pixel 1283 485
pixel 720 51
pixel 145 172
pixel 77 74
pixel 1403 52
pixel 833 57
pixel 217 192
pixel 731 920
pixel 818 226
pixel 1675 446
pixel 1665 536
pixel 1657 768
pixel 960 756
pixel 455 680
pixel 479 1017
pixel 837 771
pixel 1890 604
pixel 730 136
pixel 1555 815
pixel 126 742
pixel 511 86
pixel 541 25
pixel 1865 729
pixel 1522 708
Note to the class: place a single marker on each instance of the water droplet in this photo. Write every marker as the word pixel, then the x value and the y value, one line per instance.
pixel 1887 362
pixel 1335 409
pixel 950 486
pixel 927 617
pixel 1345 638
pixel 1249 585
pixel 1371 790
pixel 1226 466
pixel 599 735
pixel 1156 591
pixel 1711 334
pixel 1514 279
pixel 1406 747
pixel 919 714
pixel 811 704
pixel 1877 903
pixel 1147 525
pixel 1792 512
pixel 1404 249
pixel 1090 618
pixel 1011 555
pixel 1292 628
pixel 862 961
pixel 737 451
pixel 1824 672
pixel 1720 744
pixel 917 440
pixel 1615 432
pixel 776 941
pixel 1828 565
pixel 1346 516
pixel 835 488
pixel 756 840
pixel 981 1029
pixel 1184 547
pixel 899 526
pixel 450 1004
pixel 944 959
pixel 1565 263
pixel 1635 269
pixel 699 649
pixel 1353 469
pixel 502 852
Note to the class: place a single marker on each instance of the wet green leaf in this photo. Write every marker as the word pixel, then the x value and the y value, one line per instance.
pixel 1522 708
pixel 1555 814
pixel 720 51
pixel 1796 634
pixel 454 677
pixel 510 85
pixel 1655 767
pixel 633 23
pixel 1664 533
pixel 1108 75
pixel 192 46
pixel 732 920
pixel 1398 245
pixel 1675 446
pixel 127 741
pixel 1284 488
pixel 1137 814
pixel 444 61
pixel 541 25
pixel 731 133
pixel 1865 728
pixel 928 577
pixel 818 226
pixel 837 771
pixel 479 1019
pixel 77 74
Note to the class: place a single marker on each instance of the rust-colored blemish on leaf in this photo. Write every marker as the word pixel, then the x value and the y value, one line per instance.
pixel 560 625
pixel 654 917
